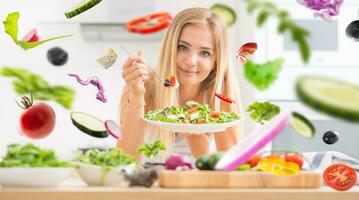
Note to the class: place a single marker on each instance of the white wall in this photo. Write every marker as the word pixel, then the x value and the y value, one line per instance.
pixel 82 60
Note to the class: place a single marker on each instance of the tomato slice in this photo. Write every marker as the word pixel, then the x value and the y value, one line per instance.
pixel 340 177
pixel 296 158
pixel 150 24
pixel 223 98
pixel 245 50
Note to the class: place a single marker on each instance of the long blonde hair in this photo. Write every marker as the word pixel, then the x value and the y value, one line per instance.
pixel 220 79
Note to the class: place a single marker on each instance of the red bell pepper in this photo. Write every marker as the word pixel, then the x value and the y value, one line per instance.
pixel 150 23
pixel 223 98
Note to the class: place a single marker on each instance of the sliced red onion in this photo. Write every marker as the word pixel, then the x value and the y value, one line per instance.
pixel 94 80
pixel 326 8
pixel 177 162
pixel 32 36
pixel 113 129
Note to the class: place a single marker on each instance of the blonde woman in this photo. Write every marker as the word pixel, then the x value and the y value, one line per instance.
pixel 195 51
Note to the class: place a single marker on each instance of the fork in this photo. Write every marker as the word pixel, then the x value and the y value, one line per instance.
pixel 150 68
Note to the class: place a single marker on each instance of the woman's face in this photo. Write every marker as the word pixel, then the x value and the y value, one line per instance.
pixel 195 54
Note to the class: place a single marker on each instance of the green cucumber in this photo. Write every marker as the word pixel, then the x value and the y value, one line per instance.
pixel 302 125
pixel 213 160
pixel 334 97
pixel 226 13
pixel 202 163
pixel 82 7
pixel 89 124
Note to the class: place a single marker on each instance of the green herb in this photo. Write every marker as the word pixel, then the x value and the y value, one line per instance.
pixel 151 150
pixel 267 9
pixel 106 159
pixel 11 28
pixel 261 112
pixel 181 114
pixel 262 75
pixel 29 155
pixel 27 82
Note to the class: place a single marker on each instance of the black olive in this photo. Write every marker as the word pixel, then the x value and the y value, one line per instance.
pixel 352 30
pixel 330 137
pixel 57 56
pixel 167 83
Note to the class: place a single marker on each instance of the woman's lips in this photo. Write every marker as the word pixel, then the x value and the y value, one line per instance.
pixel 188 71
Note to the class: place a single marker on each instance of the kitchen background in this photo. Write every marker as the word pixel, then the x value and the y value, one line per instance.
pixel 103 27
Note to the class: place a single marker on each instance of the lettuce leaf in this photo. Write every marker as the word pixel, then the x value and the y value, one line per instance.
pixel 11 28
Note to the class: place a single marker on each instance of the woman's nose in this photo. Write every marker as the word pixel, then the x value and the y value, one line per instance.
pixel 192 59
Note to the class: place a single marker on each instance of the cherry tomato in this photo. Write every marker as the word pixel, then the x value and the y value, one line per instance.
pixel 296 158
pixel 37 121
pixel 245 50
pixel 253 161
pixel 201 121
pixel 340 177
pixel 215 115
pixel 223 98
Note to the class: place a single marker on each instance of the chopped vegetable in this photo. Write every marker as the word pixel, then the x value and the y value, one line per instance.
pixel 262 75
pixel 150 23
pixel 352 30
pixel 268 9
pixel 108 58
pixel 82 7
pixel 295 158
pixel 246 50
pixel 29 155
pixel 224 98
pixel 278 166
pixel 340 177
pixel 326 8
pixel 302 125
pixel 57 56
pixel 106 159
pixel 11 28
pixel 113 129
pixel 32 36
pixel 176 161
pixel 334 97
pixel 192 112
pixel 243 167
pixel 89 124
pixel 330 137
pixel 171 82
pixel 27 82
pixel 261 112
pixel 226 13
pixel 94 80
pixel 151 150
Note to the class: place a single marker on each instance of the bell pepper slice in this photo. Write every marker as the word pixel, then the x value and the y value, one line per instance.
pixel 224 98
pixel 246 50
pixel 150 24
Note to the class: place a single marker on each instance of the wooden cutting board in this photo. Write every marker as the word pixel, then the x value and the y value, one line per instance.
pixel 236 179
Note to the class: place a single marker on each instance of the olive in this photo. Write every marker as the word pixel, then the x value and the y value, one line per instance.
pixel 57 56
pixel 352 30
pixel 330 137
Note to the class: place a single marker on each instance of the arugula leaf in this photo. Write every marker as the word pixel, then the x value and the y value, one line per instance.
pixel 41 89
pixel 268 9
pixel 11 28
pixel 262 75
pixel 261 112
pixel 29 155
pixel 151 150
pixel 10 25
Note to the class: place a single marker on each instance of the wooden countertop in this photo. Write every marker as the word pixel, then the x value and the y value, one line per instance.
pixel 76 189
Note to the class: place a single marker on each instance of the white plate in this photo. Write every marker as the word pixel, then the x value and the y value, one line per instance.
pixel 94 175
pixel 33 176
pixel 193 128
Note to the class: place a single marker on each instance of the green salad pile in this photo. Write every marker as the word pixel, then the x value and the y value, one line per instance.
pixel 105 159
pixel 191 113
pixel 29 155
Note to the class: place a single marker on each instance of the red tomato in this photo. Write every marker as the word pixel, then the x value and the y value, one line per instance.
pixel 245 50
pixel 254 160
pixel 191 110
pixel 201 121
pixel 215 115
pixel 294 158
pixel 340 177
pixel 38 120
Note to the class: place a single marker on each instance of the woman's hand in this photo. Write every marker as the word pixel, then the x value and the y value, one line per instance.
pixel 135 73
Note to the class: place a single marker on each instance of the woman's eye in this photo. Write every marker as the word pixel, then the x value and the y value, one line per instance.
pixel 205 53
pixel 182 47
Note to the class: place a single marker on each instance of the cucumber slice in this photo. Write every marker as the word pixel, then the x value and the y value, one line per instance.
pixel 226 13
pixel 89 124
pixel 302 125
pixel 334 97
pixel 82 7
